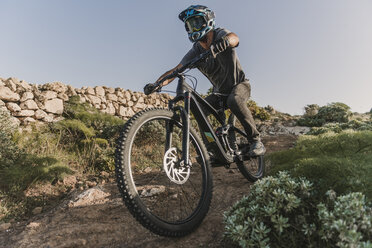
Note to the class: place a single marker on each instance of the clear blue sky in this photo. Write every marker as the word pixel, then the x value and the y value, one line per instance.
pixel 294 52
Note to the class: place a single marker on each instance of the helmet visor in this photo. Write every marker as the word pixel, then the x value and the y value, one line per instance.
pixel 195 24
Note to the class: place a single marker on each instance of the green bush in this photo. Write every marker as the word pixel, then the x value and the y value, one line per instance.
pixel 333 112
pixel 9 151
pixel 90 134
pixel 341 162
pixel 339 127
pixel 274 212
pixel 281 212
pixel 258 112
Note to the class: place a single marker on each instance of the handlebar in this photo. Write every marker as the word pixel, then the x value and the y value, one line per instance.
pixel 180 70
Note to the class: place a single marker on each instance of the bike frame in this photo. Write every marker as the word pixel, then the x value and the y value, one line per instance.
pixel 192 104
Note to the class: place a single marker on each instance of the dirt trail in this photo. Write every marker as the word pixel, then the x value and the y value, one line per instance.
pixel 105 221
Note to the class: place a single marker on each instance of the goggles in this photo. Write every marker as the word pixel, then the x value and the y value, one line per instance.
pixel 195 24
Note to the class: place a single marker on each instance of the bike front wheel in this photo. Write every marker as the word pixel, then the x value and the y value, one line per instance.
pixel 252 168
pixel 165 196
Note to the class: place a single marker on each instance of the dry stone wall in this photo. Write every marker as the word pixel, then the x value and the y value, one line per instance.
pixel 45 103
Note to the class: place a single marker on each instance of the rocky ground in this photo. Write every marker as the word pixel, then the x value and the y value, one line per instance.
pixel 96 217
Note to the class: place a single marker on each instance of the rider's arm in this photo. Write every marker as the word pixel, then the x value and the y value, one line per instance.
pixel 233 39
pixel 168 81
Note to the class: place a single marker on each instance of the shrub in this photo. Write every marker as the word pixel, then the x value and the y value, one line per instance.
pixel 274 212
pixel 338 161
pixel 9 151
pixel 281 212
pixel 90 134
pixel 334 112
pixel 345 221
pixel 339 127
pixel 258 112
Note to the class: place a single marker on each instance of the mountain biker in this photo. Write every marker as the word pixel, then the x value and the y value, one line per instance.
pixel 223 70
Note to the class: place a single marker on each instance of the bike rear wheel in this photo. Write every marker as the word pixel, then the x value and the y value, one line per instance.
pixel 166 198
pixel 252 168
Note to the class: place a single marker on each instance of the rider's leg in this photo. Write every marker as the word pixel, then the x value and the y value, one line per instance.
pixel 237 102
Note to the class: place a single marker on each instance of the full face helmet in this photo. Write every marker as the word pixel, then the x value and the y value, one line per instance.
pixel 199 20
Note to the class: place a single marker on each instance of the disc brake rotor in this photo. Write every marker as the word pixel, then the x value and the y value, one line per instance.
pixel 177 174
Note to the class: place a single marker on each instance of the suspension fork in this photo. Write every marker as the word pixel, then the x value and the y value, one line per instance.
pixel 185 115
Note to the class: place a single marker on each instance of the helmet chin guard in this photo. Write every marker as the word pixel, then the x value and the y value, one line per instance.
pixel 199 20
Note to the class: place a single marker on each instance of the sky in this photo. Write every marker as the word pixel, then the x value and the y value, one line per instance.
pixel 294 52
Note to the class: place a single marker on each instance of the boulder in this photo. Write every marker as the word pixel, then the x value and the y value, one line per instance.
pixel 54 106
pixel 100 91
pixel 28 120
pixel 13 107
pixel 40 114
pixel 24 113
pixel 7 94
pixel 29 104
pixel 111 97
pixel 49 118
pixel 27 96
pixel 127 95
pixel 110 109
pixel 110 90
pixel 55 86
pixel 11 83
pixel 63 96
pixel 90 91
pixel 46 95
pixel 95 100
pixel 71 91
pixel 24 86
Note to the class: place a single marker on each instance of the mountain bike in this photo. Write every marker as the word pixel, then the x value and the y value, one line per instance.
pixel 163 166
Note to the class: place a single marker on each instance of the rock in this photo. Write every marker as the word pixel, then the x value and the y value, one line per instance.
pixel 13 107
pixel 91 184
pixel 139 105
pixel 127 95
pixel 11 83
pixel 49 118
pixel 28 120
pixel 130 103
pixel 33 225
pixel 63 96
pixel 29 104
pixel 94 100
pixel 92 196
pixel 1 83
pixel 90 91
pixel 110 109
pixel 7 94
pixel 54 106
pixel 46 95
pixel 55 86
pixel 27 96
pixel 110 90
pixel 59 118
pixel 37 210
pixel 24 86
pixel 122 100
pixel 5 226
pixel 2 103
pixel 130 112
pixel 100 91
pixel 71 91
pixel 24 113
pixel 105 174
pixel 111 97
pixel 40 114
